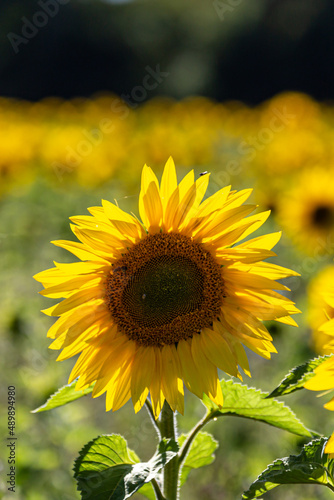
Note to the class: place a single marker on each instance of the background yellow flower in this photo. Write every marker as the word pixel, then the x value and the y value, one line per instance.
pixel 306 210
pixel 320 309
pixel 323 337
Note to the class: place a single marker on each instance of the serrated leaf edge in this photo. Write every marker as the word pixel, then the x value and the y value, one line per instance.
pixel 290 372
pixel 264 395
pixel 85 392
pixel 259 478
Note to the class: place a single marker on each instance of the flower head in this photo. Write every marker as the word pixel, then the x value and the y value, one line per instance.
pixel 320 309
pixel 324 373
pixel 157 305
pixel 306 211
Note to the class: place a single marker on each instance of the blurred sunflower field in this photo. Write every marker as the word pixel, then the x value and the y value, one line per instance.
pixel 58 157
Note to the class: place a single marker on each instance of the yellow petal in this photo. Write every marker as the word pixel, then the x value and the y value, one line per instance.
pixel 114 213
pixel 79 250
pixel 106 249
pixel 87 372
pixel 191 375
pixel 218 351
pixel 269 270
pixel 267 241
pixel 330 405
pixel 207 370
pixel 230 237
pixel 245 322
pixel 242 358
pixel 143 371
pixel 184 207
pixel 329 448
pixel 237 198
pixel 148 181
pixel 258 220
pixel 171 210
pixel 76 345
pixel 327 327
pixel 76 300
pixel 122 392
pixel 224 221
pixel 157 395
pixel 233 341
pixel 321 382
pixel 119 350
pixel 171 378
pixel 247 280
pixel 168 182
pixel 186 183
pixel 214 203
pixel 247 255
pixel 89 222
pixel 96 311
pixel 201 186
pixel 151 204
pixel 259 308
pixel 65 288
pixel 68 332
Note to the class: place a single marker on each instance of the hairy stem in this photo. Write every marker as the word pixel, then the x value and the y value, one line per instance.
pixel 171 470
pixel 157 490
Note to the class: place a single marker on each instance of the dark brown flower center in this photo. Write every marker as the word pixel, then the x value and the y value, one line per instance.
pixel 164 289
pixel 323 216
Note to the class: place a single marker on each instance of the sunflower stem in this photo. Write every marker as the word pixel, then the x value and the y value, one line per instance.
pixel 154 421
pixel 157 490
pixel 171 470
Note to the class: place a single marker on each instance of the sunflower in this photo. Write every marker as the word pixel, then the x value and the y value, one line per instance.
pixel 297 136
pixel 306 211
pixel 324 381
pixel 162 303
pixel 324 373
pixel 320 309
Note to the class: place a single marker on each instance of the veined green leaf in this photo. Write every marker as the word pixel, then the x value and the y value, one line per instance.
pixel 107 469
pixel 297 377
pixel 311 466
pixel 251 403
pixel 64 395
pixel 200 454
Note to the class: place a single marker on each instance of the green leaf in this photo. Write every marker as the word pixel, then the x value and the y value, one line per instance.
pixel 64 395
pixel 311 466
pixel 251 403
pixel 297 377
pixel 200 454
pixel 107 469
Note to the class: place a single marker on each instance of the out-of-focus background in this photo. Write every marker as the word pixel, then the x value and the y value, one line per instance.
pixel 90 91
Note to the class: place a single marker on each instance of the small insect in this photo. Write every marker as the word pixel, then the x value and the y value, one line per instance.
pixel 120 269
pixel 203 173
